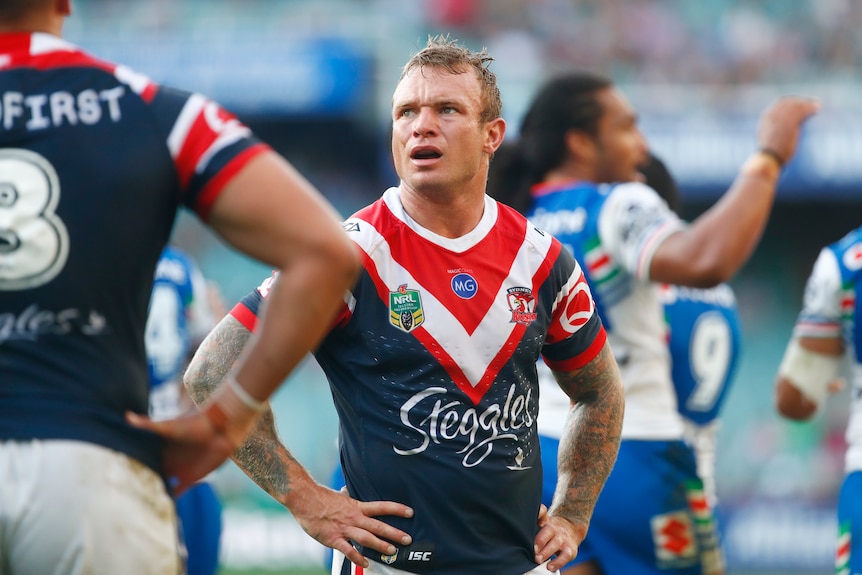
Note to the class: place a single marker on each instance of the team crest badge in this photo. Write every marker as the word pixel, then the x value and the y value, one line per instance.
pixel 390 559
pixel 405 309
pixel 522 304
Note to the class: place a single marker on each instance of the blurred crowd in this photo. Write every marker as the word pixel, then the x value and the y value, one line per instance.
pixel 635 41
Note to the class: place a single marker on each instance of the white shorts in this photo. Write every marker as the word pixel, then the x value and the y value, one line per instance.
pixel 69 508
pixel 375 568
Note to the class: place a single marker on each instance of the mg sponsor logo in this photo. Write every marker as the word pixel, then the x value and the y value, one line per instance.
pixel 464 286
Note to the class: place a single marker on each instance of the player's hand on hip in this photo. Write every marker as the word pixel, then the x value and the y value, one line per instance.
pixel 558 539
pixel 336 520
pixel 193 446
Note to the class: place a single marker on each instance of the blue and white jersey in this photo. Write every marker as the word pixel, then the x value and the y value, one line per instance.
pixel 830 310
pixel 179 318
pixel 95 160
pixel 432 367
pixel 705 338
pixel 614 230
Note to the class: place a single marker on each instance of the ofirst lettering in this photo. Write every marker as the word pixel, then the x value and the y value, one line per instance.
pixel 41 111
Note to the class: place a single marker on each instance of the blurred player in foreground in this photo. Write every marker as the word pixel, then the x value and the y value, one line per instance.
pixel 432 360
pixel 580 136
pixel 95 161
pixel 826 335
pixel 184 307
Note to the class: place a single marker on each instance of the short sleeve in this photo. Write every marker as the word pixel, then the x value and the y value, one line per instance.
pixel 821 304
pixel 633 223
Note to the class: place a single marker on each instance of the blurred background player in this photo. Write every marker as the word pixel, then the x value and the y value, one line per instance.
pixel 826 341
pixel 579 136
pixel 704 338
pixel 184 307
pixel 95 161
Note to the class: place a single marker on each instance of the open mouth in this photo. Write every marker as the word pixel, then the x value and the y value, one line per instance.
pixel 425 154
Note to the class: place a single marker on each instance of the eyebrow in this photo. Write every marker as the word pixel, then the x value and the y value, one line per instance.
pixel 413 103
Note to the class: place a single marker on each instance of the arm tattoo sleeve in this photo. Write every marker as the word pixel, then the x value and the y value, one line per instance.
pixel 263 457
pixel 591 438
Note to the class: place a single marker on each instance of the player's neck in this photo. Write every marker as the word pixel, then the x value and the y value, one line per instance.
pixel 33 23
pixel 569 173
pixel 451 217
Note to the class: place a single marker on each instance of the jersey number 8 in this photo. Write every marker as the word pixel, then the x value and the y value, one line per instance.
pixel 34 243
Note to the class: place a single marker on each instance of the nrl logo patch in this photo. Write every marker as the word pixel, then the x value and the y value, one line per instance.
pixel 405 309
pixel 522 304
pixel 390 559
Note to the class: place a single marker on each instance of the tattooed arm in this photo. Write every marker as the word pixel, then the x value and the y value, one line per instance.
pixel 588 451
pixel 332 518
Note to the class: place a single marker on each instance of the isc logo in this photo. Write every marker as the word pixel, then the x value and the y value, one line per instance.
pixel 419 556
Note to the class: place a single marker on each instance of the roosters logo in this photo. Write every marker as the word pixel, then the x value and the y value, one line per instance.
pixel 522 304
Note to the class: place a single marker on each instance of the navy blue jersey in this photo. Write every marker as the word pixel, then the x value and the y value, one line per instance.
pixel 94 162
pixel 432 366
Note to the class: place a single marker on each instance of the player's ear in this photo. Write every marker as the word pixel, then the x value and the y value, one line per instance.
pixel 496 131
pixel 580 144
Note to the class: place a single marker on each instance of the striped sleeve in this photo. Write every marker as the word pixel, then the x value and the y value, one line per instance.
pixel 823 299
pixel 576 334
pixel 207 144
pixel 633 223
pixel 248 309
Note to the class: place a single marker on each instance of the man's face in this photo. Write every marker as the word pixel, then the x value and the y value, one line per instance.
pixel 439 142
pixel 620 146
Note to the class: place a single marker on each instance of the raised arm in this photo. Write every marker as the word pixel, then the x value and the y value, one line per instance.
pixel 719 242
pixel 588 451
pixel 332 518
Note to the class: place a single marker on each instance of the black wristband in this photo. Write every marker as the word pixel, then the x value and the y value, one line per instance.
pixel 774 155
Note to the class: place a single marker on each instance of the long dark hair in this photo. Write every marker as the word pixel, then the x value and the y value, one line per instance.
pixel 659 178
pixel 563 103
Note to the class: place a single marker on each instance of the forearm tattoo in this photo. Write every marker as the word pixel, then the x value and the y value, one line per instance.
pixel 263 457
pixel 215 358
pixel 590 441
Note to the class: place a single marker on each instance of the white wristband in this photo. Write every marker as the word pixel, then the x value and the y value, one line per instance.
pixel 244 396
pixel 808 371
